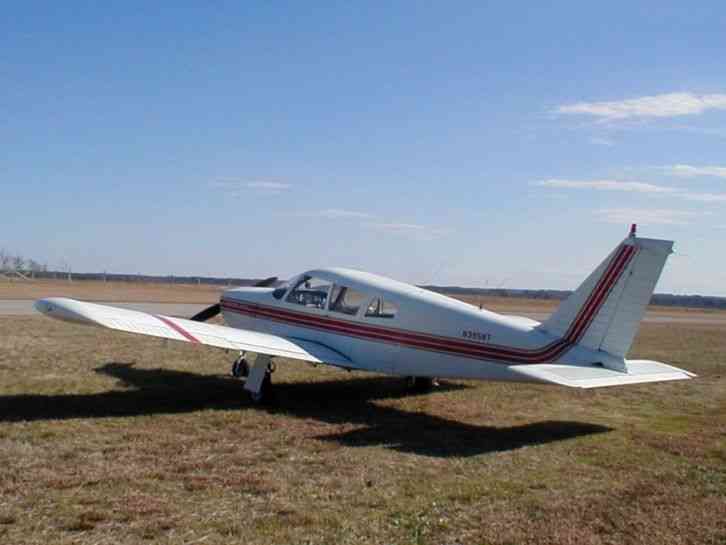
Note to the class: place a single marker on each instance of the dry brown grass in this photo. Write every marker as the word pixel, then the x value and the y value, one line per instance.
pixel 128 292
pixel 111 438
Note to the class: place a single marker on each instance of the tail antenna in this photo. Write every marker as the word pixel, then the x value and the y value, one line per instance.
pixel 633 230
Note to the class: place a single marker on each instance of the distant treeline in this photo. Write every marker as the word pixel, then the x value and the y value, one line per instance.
pixel 666 299
pixel 17 265
pixel 154 279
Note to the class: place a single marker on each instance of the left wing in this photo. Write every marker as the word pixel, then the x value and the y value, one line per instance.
pixel 179 329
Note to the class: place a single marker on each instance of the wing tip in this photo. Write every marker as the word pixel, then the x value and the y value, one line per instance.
pixel 62 308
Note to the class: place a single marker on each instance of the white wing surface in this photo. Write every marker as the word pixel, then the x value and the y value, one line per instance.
pixel 638 371
pixel 179 329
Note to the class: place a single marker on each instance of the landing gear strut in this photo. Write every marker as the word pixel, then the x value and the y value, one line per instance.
pixel 263 395
pixel 259 379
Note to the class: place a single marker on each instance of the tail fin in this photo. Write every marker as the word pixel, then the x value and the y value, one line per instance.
pixel 604 313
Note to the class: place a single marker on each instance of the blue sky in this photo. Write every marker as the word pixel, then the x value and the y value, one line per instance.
pixel 452 143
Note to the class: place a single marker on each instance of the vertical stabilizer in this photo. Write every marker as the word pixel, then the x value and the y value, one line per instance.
pixel 604 313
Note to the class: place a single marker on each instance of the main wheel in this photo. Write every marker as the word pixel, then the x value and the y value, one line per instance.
pixel 265 394
pixel 422 384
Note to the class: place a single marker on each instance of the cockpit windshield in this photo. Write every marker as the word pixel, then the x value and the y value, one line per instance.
pixel 310 292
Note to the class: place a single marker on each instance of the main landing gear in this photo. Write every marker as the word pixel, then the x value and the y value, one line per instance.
pixel 258 374
pixel 422 384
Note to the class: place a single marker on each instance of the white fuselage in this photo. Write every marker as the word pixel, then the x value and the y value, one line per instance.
pixel 431 335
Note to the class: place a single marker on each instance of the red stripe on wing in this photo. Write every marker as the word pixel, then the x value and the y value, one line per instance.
pixel 179 329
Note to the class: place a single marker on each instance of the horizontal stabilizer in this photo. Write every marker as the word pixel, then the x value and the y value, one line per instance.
pixel 575 376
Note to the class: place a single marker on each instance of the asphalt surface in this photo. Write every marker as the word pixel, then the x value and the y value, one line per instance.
pixel 24 307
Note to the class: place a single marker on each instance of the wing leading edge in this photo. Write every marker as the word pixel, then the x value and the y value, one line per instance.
pixel 179 329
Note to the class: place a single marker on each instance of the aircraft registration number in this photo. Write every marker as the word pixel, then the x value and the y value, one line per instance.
pixel 477 336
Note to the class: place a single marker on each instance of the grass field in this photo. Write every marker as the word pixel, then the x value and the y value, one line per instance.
pixel 127 292
pixel 111 438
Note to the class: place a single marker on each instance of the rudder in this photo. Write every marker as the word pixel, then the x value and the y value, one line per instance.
pixel 604 313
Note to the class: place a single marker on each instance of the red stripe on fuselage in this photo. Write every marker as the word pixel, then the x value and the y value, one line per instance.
pixel 179 329
pixel 360 329
pixel 549 352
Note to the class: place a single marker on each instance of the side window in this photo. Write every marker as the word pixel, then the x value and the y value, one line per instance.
pixel 380 308
pixel 346 300
pixel 309 292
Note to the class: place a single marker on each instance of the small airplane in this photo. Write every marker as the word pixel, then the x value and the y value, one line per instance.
pixel 357 320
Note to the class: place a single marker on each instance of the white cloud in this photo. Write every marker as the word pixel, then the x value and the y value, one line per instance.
pixel 635 187
pixel 338 213
pixel 706 131
pixel 267 186
pixel 690 171
pixel 703 197
pixel 412 230
pixel 237 187
pixel 664 105
pixel 398 226
pixel 601 141
pixel 646 216
pixel 606 185
pixel 370 221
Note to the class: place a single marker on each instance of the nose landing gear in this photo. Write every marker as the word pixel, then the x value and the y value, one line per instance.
pixel 240 367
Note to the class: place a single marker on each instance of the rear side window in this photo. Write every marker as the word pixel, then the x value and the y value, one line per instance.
pixel 346 300
pixel 380 308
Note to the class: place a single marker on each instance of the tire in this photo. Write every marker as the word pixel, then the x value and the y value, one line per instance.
pixel 264 396
pixel 422 384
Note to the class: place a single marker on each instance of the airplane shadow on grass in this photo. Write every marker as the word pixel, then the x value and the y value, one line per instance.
pixel 166 391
